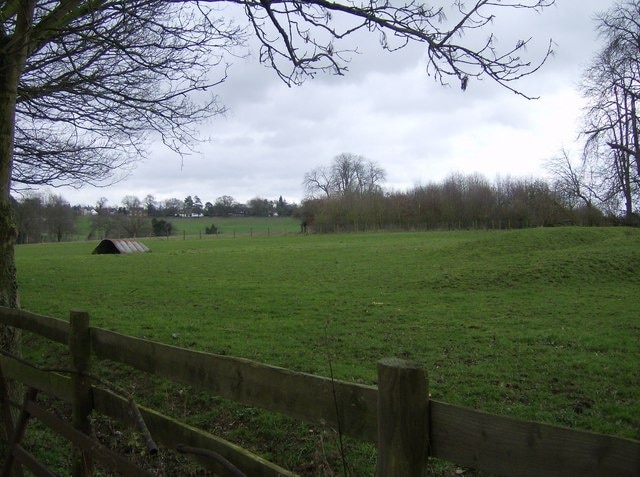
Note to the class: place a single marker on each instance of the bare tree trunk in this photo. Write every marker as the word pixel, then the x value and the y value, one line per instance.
pixel 13 51
pixel 636 134
pixel 13 54
pixel 9 337
pixel 8 230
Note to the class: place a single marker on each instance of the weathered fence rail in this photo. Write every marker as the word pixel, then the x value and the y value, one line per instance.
pixel 398 416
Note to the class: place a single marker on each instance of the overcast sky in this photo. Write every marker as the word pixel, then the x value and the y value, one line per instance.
pixel 386 109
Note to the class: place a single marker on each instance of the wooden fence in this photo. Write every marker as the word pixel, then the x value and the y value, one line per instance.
pixel 397 416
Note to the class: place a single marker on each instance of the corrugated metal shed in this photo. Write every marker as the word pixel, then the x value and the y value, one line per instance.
pixel 120 246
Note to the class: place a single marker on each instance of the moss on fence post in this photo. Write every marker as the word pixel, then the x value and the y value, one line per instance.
pixel 82 403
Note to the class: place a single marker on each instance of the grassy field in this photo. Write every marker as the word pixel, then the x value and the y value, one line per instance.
pixel 196 226
pixel 539 324
pixel 236 225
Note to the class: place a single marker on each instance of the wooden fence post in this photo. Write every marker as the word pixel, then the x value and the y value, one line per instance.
pixel 403 419
pixel 82 403
pixel 5 407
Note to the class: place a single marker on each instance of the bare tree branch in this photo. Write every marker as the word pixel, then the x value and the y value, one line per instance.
pixel 103 77
pixel 612 88
pixel 299 51
pixel 95 90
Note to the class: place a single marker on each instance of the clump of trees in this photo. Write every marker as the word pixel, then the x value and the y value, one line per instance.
pixel 223 206
pixel 458 202
pixel 49 217
pixel 129 220
pixel 348 175
pixel 161 227
pixel 349 195
pixel 136 218
pixel 44 218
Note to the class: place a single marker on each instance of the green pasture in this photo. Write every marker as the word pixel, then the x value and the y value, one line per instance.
pixel 539 324
pixel 196 226
pixel 235 225
pixel 82 227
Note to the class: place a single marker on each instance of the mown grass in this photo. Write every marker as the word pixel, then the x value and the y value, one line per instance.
pixel 537 324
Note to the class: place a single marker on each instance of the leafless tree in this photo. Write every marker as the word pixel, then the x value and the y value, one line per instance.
pixel 575 182
pixel 612 87
pixel 348 174
pixel 318 180
pixel 84 84
pixel 96 83
pixel 372 179
pixel 132 205
pixel 150 204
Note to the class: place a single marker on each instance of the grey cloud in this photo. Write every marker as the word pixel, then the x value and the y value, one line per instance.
pixel 386 109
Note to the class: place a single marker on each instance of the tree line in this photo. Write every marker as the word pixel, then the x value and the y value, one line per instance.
pixel 348 195
pixel 599 185
pixel 51 218
pixel 139 218
pixel 44 218
pixel 192 206
pixel 458 202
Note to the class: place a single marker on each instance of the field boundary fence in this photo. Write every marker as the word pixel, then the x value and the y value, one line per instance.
pixel 397 415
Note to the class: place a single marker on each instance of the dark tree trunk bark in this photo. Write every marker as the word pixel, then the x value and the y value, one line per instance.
pixel 8 231
pixel 9 336
pixel 636 135
pixel 13 54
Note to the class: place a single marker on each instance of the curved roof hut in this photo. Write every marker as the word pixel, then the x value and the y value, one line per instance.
pixel 120 246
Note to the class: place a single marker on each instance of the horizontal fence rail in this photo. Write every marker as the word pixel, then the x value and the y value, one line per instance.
pixel 299 395
pixel 514 447
pixel 170 432
pixel 487 442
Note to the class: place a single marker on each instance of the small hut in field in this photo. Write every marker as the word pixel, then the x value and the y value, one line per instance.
pixel 120 246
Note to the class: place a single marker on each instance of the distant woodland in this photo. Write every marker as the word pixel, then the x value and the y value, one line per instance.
pixel 458 202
